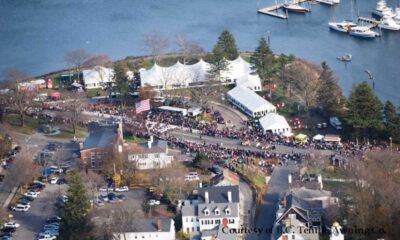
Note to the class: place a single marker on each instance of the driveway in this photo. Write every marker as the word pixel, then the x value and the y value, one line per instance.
pixel 42 207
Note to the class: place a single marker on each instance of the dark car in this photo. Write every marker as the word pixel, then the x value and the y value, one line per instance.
pixel 27 198
pixel 8 229
pixel 121 196
pixel 216 169
pixel 62 181
pixel 53 219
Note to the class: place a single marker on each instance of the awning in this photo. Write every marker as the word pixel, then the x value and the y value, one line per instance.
pixel 332 138
pixel 77 85
pixel 318 137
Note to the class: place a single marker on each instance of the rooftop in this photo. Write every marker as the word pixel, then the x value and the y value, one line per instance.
pixel 219 194
pixel 151 225
pixel 250 99
pixel 100 138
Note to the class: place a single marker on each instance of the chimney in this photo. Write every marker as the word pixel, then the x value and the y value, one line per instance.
pixel 284 200
pixel 200 184
pixel 206 197
pixel 151 139
pixel 229 196
pixel 149 144
pixel 81 145
pixel 290 178
pixel 159 229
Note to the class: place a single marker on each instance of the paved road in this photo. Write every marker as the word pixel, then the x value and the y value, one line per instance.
pixel 229 113
pixel 267 211
pixel 33 221
pixel 233 143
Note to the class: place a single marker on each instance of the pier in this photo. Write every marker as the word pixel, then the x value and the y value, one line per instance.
pixel 273 10
pixel 371 21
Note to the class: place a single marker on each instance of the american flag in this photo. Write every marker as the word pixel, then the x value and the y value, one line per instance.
pixel 142 106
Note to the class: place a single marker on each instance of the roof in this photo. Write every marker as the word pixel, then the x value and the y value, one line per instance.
pixel 233 208
pixel 150 225
pixel 98 74
pixel 100 138
pixel 272 121
pixel 250 99
pixel 219 233
pixel 251 81
pixel 219 194
pixel 174 109
pixel 157 146
pixel 189 209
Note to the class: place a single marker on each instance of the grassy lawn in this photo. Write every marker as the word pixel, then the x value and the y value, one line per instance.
pixel 95 92
pixel 259 180
pixel 132 139
pixel 68 134
pixel 31 125
pixel 330 172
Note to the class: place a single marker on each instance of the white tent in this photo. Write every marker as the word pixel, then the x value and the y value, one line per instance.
pixel 250 102
pixel 318 137
pixel 275 123
pixel 97 77
pixel 180 75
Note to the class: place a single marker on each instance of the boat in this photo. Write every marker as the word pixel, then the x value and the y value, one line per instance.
pixel 389 23
pixel 363 32
pixel 345 58
pixel 295 8
pixel 382 9
pixel 343 26
pixel 397 15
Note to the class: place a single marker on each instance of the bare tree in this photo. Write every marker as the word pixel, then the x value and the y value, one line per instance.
pixel 98 60
pixel 156 44
pixel 147 92
pixel 92 182
pixel 186 47
pixel 73 109
pixel 75 59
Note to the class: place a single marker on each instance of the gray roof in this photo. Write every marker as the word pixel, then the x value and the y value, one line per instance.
pixel 233 207
pixel 101 138
pixel 217 232
pixel 157 146
pixel 219 194
pixel 189 210
pixel 150 225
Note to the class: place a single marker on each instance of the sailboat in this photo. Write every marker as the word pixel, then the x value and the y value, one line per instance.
pixel 343 26
pixel 295 7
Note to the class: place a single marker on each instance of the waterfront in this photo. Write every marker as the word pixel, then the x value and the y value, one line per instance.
pixel 37 34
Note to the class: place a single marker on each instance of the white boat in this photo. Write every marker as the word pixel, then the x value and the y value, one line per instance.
pixel 389 23
pixel 363 32
pixel 382 9
pixel 345 58
pixel 343 26
pixel 397 15
pixel 296 8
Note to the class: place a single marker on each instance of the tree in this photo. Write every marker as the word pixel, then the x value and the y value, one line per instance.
pixel 147 92
pixel 201 96
pixel 364 109
pixel 122 220
pixel 201 161
pixel 75 59
pixel 98 60
pixel 73 216
pixel 156 44
pixel 186 47
pixel 391 121
pixel 18 97
pixel 227 44
pixel 73 108
pixel 5 145
pixel 121 83
pixel 330 96
pixel 92 182
pixel 263 61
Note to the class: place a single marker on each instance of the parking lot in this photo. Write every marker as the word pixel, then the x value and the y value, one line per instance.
pixel 42 207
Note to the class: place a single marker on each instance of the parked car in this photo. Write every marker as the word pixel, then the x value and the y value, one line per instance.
pixel 8 229
pixel 99 202
pixel 122 189
pixel 103 198
pixel 153 202
pixel 51 227
pixel 21 208
pixel 105 189
pixel 42 236
pixel 52 232
pixel 11 224
pixel 121 197
pixel 53 180
pixel 62 181
pixel 216 169
pixel 31 194
pixel 53 219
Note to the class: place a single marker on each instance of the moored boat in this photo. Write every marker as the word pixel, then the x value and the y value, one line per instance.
pixel 363 32
pixel 295 8
pixel 383 10
pixel 343 26
pixel 389 23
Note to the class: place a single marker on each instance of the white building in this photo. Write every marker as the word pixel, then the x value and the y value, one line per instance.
pixel 151 155
pixel 275 123
pixel 215 206
pixel 250 102
pixel 181 76
pixel 150 229
pixel 98 77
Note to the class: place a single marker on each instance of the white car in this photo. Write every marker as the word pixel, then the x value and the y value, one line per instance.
pixel 21 208
pixel 105 189
pixel 46 237
pixel 11 225
pixel 192 178
pixel 31 194
pixel 53 180
pixel 51 233
pixel 122 189
pixel 153 202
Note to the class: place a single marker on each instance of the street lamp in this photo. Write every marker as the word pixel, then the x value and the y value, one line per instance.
pixel 390 139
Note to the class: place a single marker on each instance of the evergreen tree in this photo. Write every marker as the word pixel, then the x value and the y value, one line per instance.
pixel 330 96
pixel 364 109
pixel 263 61
pixel 73 216
pixel 121 83
pixel 226 45
pixel 391 121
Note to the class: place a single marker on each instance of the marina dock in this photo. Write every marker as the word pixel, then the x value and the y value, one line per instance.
pixel 372 21
pixel 273 10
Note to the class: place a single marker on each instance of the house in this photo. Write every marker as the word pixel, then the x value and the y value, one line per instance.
pixel 215 206
pixel 149 229
pixel 250 102
pixel 297 219
pixel 98 77
pixel 275 123
pixel 103 139
pixel 151 155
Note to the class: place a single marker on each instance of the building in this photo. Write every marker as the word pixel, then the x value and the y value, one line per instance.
pixel 181 76
pixel 151 155
pixel 98 77
pixel 102 141
pixel 149 229
pixel 275 123
pixel 214 206
pixel 250 102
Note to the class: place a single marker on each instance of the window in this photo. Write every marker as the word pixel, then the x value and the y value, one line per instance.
pixel 92 155
pixel 93 163
pixel 191 219
pixel 206 212
pixel 216 211
pixel 99 155
pixel 198 229
pixel 217 221
pixel 232 220
pixel 227 211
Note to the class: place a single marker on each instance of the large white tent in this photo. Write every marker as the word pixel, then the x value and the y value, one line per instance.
pixel 275 123
pixel 97 77
pixel 180 75
pixel 250 102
